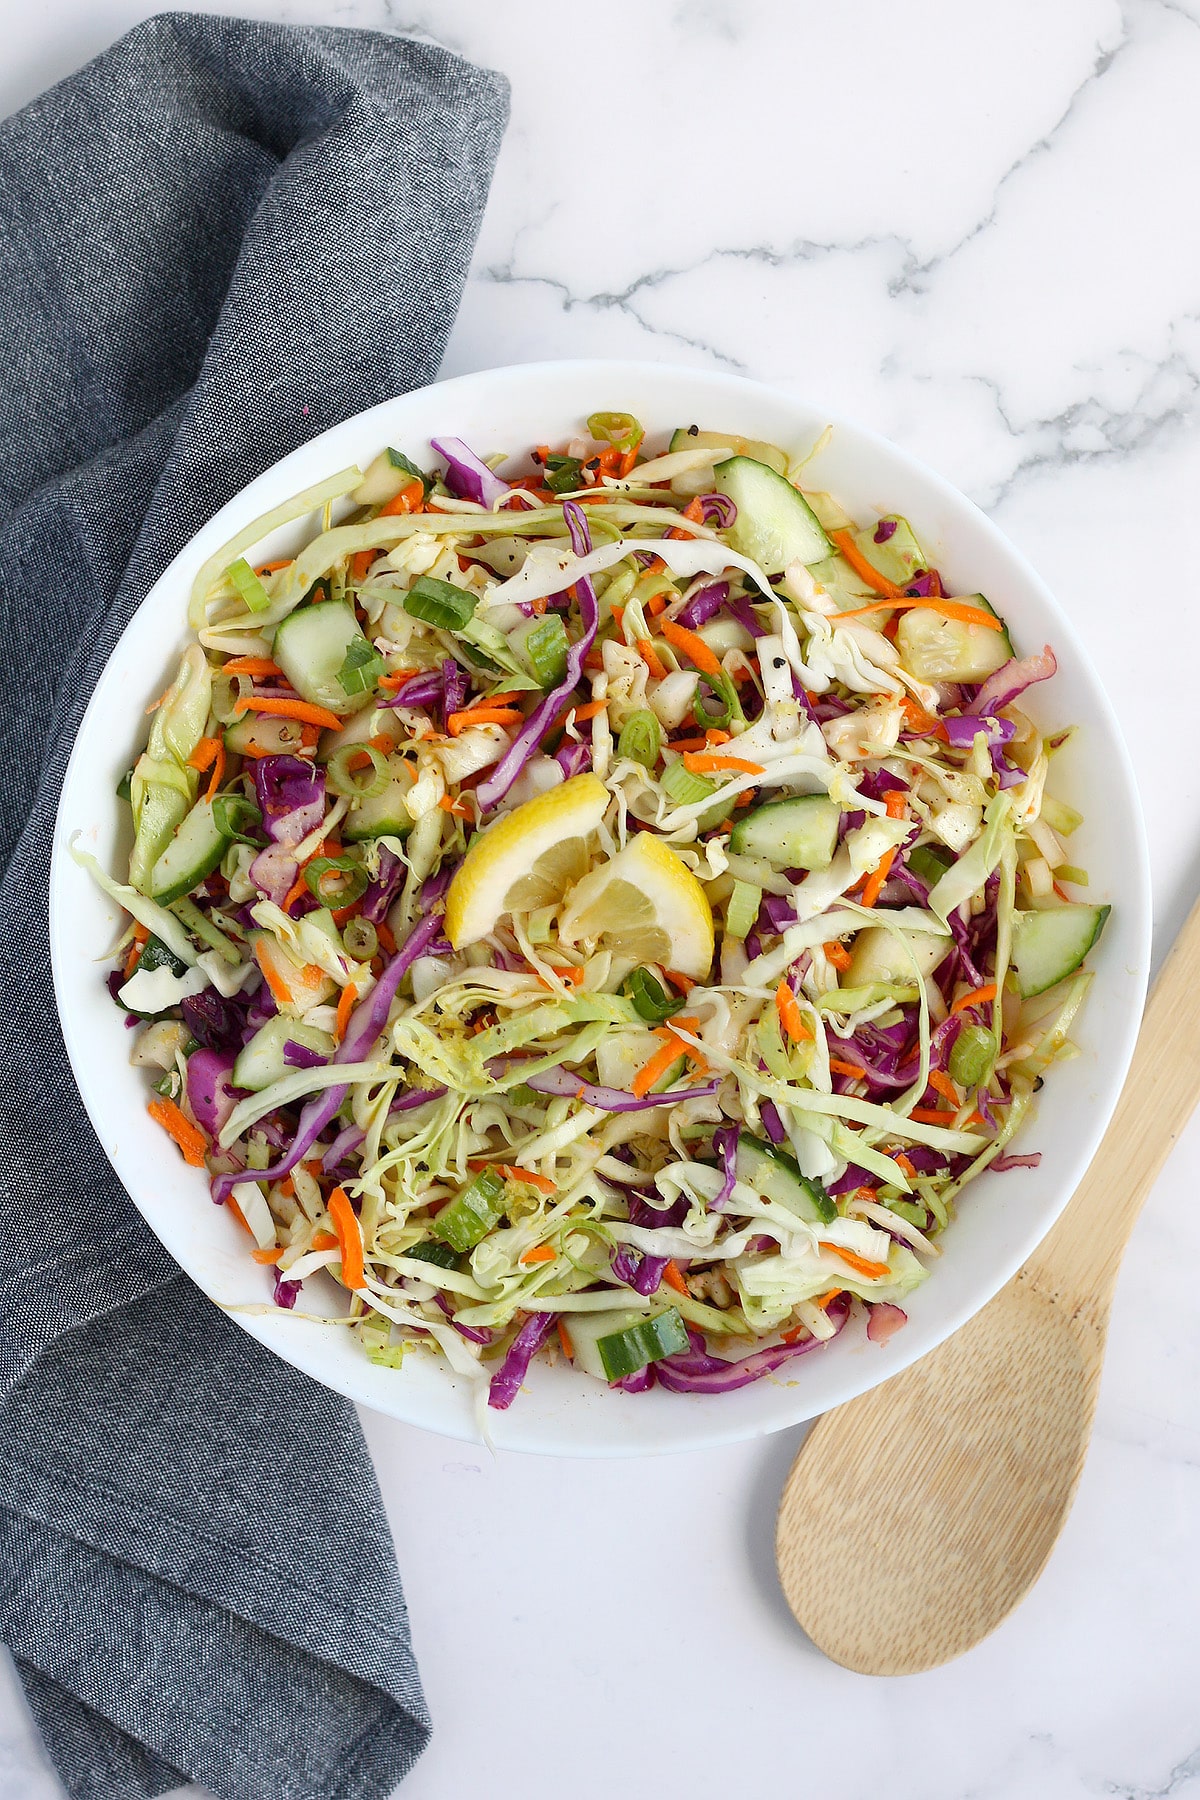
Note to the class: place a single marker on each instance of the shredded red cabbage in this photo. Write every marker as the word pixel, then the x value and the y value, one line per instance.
pixel 208 1088
pixel 1012 679
pixel 700 1373
pixel 291 797
pixel 562 1081
pixel 1002 1164
pixel 300 1056
pixel 466 475
pixel 885 1321
pixel 502 1390
pixel 704 604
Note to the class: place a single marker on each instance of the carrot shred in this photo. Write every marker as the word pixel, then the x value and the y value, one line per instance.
pixel 673 1276
pixel 396 678
pixel 303 710
pixel 205 753
pixel 837 954
pixel 192 1142
pixel 790 1017
pixel 904 1165
pixel 949 609
pixel 701 763
pixel 459 808
pixel 294 893
pixel 360 562
pixel 272 568
pixel 513 1172
pixel 656 1068
pixel 349 1237
pixel 931 1115
pixel 651 658
pixel 345 1007
pixel 928 724
pixel 387 942
pixel 590 710
pixel 238 1214
pixel 410 499
pixel 863 1265
pixel 693 647
pixel 279 988
pixel 271 1255
pixel 942 1084
pixel 656 604
pixel 854 1070
pixel 569 972
pixel 324 1240
pixel 684 983
pixel 858 562
pixel 564 1338
pixel 539 1253
pixel 482 715
pixel 977 997
pixel 250 665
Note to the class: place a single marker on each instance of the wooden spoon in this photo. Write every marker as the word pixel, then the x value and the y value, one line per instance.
pixel 916 1517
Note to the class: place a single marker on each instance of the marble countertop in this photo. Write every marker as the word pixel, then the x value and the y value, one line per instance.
pixel 971 228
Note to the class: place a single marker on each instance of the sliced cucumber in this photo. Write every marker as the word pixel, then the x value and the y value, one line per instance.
pixel 775 1174
pixel 688 437
pixel 258 731
pixel 389 474
pixel 775 524
pixel 311 647
pixel 297 986
pixel 262 1060
pixel 192 853
pixel 800 833
pixel 878 956
pixel 611 1345
pixel 843 584
pixel 937 649
pixel 1050 945
pixel 383 814
pixel 899 557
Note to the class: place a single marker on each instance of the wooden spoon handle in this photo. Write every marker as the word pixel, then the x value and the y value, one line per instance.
pixel 1079 1259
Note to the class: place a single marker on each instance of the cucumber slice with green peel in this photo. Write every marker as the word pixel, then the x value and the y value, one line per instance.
pixel 899 557
pixel 192 854
pixel 261 733
pixel 775 1174
pixel 1049 945
pixel 929 862
pixel 688 437
pixel 878 956
pixel 312 646
pixel 844 585
pixel 262 1060
pixel 934 648
pixel 611 1345
pixel 775 525
pixel 383 814
pixel 473 1211
pixel 790 834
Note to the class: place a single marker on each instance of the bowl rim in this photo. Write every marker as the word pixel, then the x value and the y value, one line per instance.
pixel 709 1429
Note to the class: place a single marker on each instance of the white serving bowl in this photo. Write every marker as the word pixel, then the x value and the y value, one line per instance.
pixel 1002 1216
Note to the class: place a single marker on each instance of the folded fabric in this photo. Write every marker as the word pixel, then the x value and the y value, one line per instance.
pixel 220 237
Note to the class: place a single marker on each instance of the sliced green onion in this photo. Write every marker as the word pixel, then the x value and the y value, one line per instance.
pixel 360 938
pixel 361 668
pixel 336 880
pixel 201 926
pixel 908 1209
pixel 683 787
pixel 619 429
pixel 971 1058
pixel 357 784
pixel 471 1215
pixel 245 582
pixel 723 691
pixel 236 818
pixel 741 909
pixel 439 603
pixel 124 787
pixel 641 739
pixel 546 647
pixel 563 474
pixel 929 863
pixel 1069 872
pixel 169 1085
pixel 650 999
pixel 226 691
pixel 1060 817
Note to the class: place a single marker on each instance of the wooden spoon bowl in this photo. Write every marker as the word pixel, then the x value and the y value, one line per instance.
pixel 917 1516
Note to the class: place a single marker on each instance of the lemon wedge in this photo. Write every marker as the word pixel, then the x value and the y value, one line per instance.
pixel 644 903
pixel 527 859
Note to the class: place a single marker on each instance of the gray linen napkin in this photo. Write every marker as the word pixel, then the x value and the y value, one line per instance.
pixel 217 239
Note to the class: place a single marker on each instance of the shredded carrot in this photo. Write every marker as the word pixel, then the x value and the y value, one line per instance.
pixel 684 983
pixel 513 1172
pixel 349 1237
pixel 930 1115
pixel 276 983
pixel 272 568
pixel 977 997
pixel 360 562
pixel 289 709
pixel 205 753
pixel 459 808
pixel 863 1265
pixel 656 1068
pixel 324 1240
pixel 657 603
pixel 345 1007
pixel 238 1214
pixel 564 1338
pixel 928 724
pixel 287 1186
pixel 904 1165
pixel 859 563
pixel 854 1070
pixel 192 1142
pixel 826 1299
pixel 140 938
pixel 482 715
pixel 694 511
pixel 948 609
pixel 896 803
pixel 387 942
pixel 270 1255
pixel 218 770
pixel 677 532
pixel 618 619
pixel 590 710
pixel 628 460
pixel 410 499
pixel 942 1084
pixel 250 665
pixel 673 1276
pixel 790 1017
pixel 540 1253
pixel 298 888
pixel 701 763
pixel 568 972
pixel 837 954
pixel 651 658
pixel 693 647
pixel 396 678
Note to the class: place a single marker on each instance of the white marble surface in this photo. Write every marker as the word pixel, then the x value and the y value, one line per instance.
pixel 973 228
